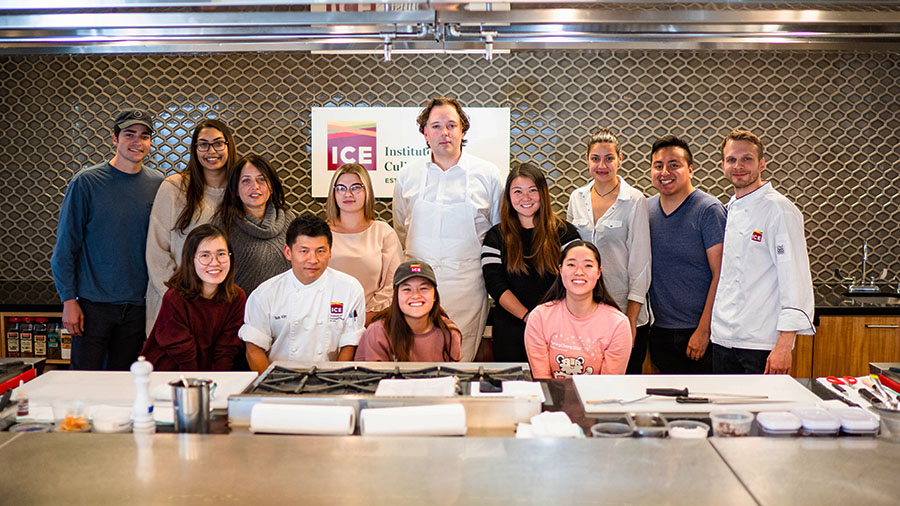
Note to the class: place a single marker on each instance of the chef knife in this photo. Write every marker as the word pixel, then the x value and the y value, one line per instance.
pixel 674 392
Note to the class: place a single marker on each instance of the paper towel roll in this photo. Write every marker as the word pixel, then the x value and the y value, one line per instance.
pixel 302 419
pixel 436 420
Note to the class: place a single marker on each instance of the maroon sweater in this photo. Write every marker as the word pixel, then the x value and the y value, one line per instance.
pixel 195 335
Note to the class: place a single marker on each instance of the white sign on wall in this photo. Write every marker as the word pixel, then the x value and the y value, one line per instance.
pixel 386 139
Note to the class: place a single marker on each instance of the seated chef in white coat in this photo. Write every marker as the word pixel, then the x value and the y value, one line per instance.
pixel 444 204
pixel 310 313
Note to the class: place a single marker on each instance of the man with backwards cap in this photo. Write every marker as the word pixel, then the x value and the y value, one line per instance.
pixel 444 205
pixel 98 262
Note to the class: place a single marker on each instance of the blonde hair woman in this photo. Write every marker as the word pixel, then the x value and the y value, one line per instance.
pixel 363 247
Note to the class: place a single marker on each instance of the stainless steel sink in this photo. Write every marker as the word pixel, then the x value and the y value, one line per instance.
pixel 873 298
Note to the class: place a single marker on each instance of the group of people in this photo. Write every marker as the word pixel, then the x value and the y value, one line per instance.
pixel 209 269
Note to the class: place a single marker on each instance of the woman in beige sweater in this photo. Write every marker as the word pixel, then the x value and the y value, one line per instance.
pixel 184 201
pixel 363 247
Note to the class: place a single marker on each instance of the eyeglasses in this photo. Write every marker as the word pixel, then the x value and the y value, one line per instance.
pixel 206 258
pixel 355 188
pixel 218 146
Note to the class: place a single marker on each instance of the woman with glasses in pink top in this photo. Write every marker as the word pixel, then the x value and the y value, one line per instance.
pixel 578 329
pixel 363 247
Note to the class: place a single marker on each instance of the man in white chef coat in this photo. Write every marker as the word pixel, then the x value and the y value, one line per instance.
pixel 765 295
pixel 310 313
pixel 444 204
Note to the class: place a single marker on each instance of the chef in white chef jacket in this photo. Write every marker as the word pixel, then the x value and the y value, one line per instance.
pixel 444 204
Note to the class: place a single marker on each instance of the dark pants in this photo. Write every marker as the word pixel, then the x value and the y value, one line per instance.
pixel 639 351
pixel 112 338
pixel 668 350
pixel 508 337
pixel 738 360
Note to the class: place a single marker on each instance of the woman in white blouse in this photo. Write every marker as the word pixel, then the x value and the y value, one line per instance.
pixel 613 215
pixel 363 247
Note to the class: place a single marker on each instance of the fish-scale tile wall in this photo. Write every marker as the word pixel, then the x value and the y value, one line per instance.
pixel 830 121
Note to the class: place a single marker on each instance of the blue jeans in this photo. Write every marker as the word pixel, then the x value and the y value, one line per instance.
pixel 738 360
pixel 112 338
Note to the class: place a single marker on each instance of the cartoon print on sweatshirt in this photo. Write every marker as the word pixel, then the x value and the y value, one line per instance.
pixel 569 366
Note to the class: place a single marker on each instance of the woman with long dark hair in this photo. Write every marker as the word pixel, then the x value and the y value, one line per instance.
pixel 578 328
pixel 255 216
pixel 614 216
pixel 414 328
pixel 520 257
pixel 201 312
pixel 184 201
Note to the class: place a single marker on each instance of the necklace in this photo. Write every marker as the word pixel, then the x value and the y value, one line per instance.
pixel 594 187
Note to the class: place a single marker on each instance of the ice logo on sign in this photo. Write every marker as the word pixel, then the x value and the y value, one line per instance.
pixel 351 142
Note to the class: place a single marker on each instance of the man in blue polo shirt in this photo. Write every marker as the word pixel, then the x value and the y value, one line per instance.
pixel 687 228
pixel 98 262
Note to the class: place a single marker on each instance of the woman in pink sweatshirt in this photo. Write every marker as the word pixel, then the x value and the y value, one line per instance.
pixel 578 329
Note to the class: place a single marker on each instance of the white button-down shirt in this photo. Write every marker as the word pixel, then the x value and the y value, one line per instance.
pixel 622 235
pixel 484 191
pixel 765 286
pixel 308 323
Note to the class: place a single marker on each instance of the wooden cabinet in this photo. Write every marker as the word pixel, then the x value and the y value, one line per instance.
pixel 844 345
pixel 802 364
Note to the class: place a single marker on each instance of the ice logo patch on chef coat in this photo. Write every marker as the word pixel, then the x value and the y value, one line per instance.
pixel 352 142
pixel 337 311
pixel 757 236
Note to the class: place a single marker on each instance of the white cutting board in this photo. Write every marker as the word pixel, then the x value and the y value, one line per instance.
pixel 776 387
pixel 117 388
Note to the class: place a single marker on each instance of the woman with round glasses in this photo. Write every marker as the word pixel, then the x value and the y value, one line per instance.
pixel 614 216
pixel 255 216
pixel 366 248
pixel 201 312
pixel 183 202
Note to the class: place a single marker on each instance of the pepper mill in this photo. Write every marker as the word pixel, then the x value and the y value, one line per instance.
pixel 143 403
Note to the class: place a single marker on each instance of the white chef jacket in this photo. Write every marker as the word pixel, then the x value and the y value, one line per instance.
pixel 308 323
pixel 484 191
pixel 765 286
pixel 622 235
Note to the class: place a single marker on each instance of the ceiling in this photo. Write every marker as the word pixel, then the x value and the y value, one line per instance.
pixel 390 28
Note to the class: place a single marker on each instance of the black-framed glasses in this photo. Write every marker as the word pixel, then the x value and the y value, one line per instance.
pixel 206 258
pixel 217 145
pixel 355 188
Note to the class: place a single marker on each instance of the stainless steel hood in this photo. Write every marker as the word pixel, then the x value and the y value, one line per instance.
pixel 386 27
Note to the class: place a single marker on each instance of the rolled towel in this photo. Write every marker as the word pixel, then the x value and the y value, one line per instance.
pixel 302 419
pixel 435 420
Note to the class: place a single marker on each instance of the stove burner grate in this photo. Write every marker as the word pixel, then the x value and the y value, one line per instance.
pixel 362 380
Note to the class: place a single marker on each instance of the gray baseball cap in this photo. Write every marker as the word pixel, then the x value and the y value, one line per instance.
pixel 128 117
pixel 414 269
